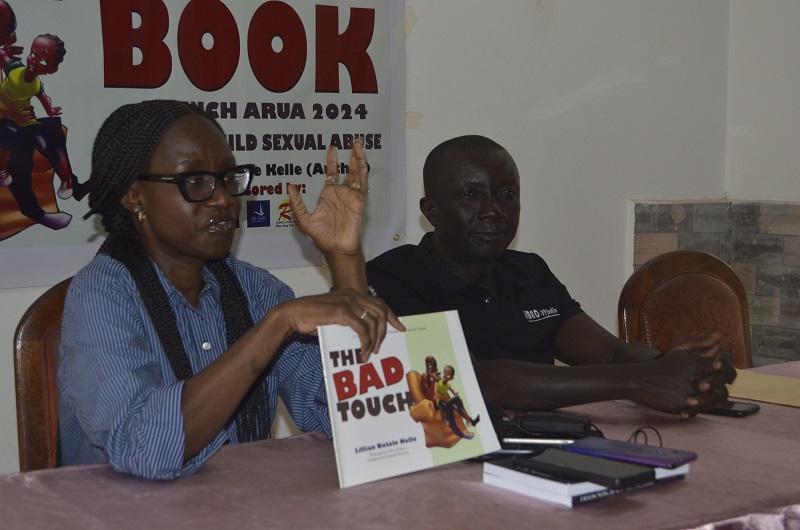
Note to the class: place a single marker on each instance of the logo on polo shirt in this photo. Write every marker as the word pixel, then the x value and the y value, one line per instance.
pixel 534 315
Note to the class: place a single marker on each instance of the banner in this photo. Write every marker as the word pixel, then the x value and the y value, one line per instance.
pixel 285 79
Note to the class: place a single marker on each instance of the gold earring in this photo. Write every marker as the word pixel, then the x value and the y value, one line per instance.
pixel 142 215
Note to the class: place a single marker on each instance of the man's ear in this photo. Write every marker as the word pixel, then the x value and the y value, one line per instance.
pixel 428 209
pixel 132 200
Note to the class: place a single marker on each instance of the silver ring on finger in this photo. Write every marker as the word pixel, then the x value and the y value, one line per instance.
pixel 363 315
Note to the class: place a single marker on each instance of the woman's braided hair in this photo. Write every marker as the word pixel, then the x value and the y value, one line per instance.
pixel 121 150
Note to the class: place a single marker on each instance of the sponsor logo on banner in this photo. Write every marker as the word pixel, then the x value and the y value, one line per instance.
pixel 257 214
pixel 285 217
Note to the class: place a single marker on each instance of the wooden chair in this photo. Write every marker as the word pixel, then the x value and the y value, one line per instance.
pixel 686 293
pixel 36 343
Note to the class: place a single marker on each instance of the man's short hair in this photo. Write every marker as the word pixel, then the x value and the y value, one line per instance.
pixel 435 162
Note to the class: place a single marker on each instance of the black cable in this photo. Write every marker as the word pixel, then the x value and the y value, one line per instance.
pixel 642 431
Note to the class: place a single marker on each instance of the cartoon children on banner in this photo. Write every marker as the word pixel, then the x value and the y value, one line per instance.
pixel 31 149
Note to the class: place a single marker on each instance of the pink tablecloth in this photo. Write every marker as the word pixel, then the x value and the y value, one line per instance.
pixel 746 466
pixel 791 369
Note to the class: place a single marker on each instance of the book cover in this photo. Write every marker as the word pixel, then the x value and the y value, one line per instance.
pixel 413 405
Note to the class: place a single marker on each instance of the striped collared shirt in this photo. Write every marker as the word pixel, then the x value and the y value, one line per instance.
pixel 120 402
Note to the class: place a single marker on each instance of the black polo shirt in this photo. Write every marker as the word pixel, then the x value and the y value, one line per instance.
pixel 521 323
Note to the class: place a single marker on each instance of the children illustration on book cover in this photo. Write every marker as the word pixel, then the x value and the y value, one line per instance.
pixel 442 414
pixel 396 412
pixel 450 405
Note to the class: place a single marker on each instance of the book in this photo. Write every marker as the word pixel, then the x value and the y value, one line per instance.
pixel 505 468
pixel 413 405
pixel 568 492
pixel 569 501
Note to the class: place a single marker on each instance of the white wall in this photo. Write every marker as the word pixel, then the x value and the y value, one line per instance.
pixel 599 103
pixel 763 145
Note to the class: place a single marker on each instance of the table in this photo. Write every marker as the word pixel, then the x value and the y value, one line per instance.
pixel 791 369
pixel 745 465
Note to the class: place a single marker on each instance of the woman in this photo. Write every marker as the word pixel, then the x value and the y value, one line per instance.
pixel 172 347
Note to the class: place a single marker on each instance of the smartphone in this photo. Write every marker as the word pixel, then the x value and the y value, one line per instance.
pixel 576 466
pixel 649 455
pixel 737 409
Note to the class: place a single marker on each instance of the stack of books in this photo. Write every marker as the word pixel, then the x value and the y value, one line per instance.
pixel 570 486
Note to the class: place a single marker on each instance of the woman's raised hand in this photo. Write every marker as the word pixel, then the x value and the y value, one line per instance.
pixel 335 225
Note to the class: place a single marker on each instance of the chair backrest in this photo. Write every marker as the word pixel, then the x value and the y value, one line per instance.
pixel 36 343
pixel 686 293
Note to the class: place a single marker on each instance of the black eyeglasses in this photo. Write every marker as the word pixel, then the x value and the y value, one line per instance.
pixel 198 186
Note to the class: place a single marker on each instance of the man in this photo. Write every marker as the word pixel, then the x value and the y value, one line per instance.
pixel 517 316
